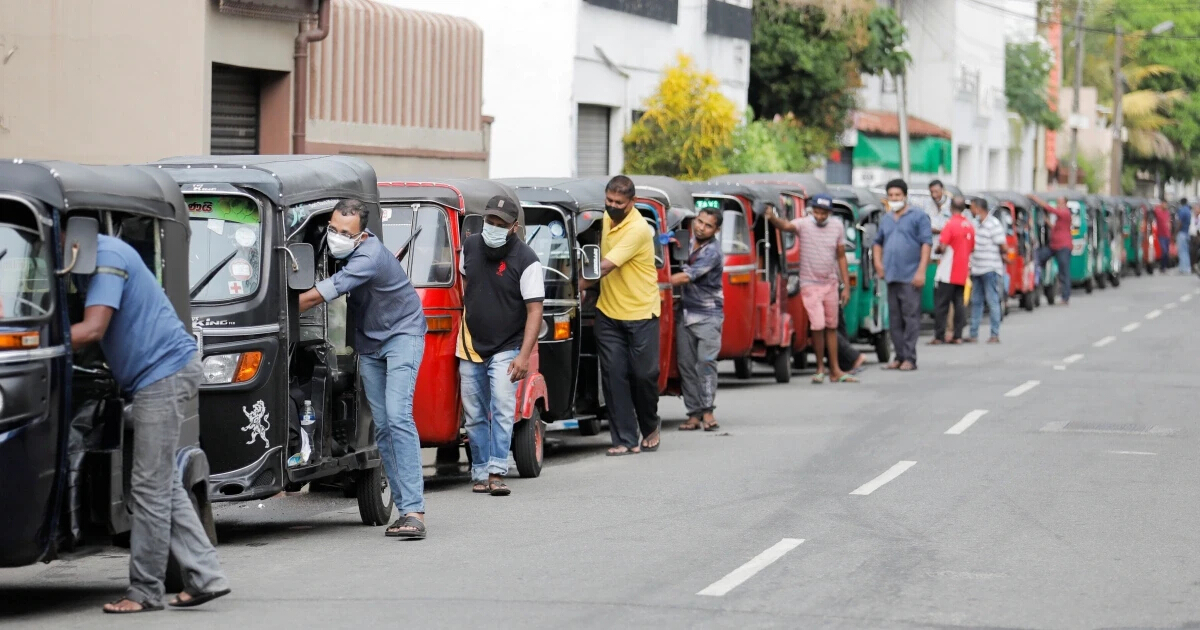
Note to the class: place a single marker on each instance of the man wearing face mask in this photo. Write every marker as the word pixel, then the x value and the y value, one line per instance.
pixel 502 315
pixel 390 339
pixel 627 322
pixel 901 253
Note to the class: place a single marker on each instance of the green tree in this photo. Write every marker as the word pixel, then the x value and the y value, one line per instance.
pixel 773 146
pixel 1026 73
pixel 687 129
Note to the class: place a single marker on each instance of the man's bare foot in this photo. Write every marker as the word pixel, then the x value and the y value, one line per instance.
pixel 710 423
pixel 862 359
pixel 126 605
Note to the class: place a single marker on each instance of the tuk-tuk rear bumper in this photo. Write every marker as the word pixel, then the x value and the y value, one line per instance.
pixel 267 477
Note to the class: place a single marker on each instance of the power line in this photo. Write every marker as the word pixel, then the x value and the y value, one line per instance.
pixel 1085 28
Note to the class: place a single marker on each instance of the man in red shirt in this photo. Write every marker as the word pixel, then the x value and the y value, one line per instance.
pixel 955 244
pixel 1058 217
pixel 1162 224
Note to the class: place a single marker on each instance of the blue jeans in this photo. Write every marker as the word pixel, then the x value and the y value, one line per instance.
pixel 1063 257
pixel 490 409
pixel 986 287
pixel 389 377
pixel 1185 259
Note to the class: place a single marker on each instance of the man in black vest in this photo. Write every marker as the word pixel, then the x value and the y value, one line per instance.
pixel 502 315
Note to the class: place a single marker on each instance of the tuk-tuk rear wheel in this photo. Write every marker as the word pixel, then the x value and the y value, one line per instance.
pixel 1089 285
pixel 743 368
pixel 1115 280
pixel 589 427
pixel 1027 300
pixel 800 359
pixel 883 346
pixel 374 497
pixel 1102 280
pixel 528 446
pixel 783 364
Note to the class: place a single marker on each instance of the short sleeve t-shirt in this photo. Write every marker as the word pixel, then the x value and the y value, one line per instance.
pixel 818 249
pixel 495 296
pixel 629 292
pixel 145 341
pixel 958 235
pixel 1060 232
pixel 989 236
pixel 902 238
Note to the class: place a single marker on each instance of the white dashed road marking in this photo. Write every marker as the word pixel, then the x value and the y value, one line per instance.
pixel 1186 297
pixel 1153 314
pixel 890 474
pixel 1073 358
pixel 1022 388
pixel 1131 327
pixel 1104 342
pixel 1170 306
pixel 747 571
pixel 1130 453
pixel 1060 368
pixel 966 422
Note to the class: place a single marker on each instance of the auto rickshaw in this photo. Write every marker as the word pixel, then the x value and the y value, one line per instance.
pixel 1083 236
pixel 758 326
pixel 1133 230
pixel 258 227
pixel 425 223
pixel 66 453
pixel 1022 241
pixel 866 315
pixel 569 212
pixel 1111 250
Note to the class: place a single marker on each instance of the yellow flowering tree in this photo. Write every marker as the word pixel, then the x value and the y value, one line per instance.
pixel 687 129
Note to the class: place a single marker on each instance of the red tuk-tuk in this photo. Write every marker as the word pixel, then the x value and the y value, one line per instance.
pixel 758 326
pixel 425 224
pixel 1022 241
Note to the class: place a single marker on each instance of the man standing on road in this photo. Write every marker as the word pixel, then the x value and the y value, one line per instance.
pixel 987 269
pixel 390 340
pixel 1058 217
pixel 154 360
pixel 698 329
pixel 1181 237
pixel 901 253
pixel 956 243
pixel 822 259
pixel 502 314
pixel 627 322
pixel 1162 220
pixel 938 208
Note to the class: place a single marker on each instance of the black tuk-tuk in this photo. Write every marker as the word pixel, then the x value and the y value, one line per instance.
pixel 66 453
pixel 258 241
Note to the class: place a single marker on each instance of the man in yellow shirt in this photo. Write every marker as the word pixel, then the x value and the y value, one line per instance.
pixel 627 322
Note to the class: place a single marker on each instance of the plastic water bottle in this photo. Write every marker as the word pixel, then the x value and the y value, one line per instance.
pixel 308 418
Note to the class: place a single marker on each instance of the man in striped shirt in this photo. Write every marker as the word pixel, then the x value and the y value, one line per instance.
pixel 987 269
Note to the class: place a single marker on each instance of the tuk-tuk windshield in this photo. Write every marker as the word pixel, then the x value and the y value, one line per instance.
pixel 429 259
pixel 226 235
pixel 546 234
pixel 735 234
pixel 25 270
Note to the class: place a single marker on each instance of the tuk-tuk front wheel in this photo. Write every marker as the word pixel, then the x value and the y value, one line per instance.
pixel 743 368
pixel 1102 280
pixel 589 427
pixel 883 346
pixel 1027 300
pixel 1115 279
pixel 528 446
pixel 800 359
pixel 1089 285
pixel 374 497
pixel 1049 292
pixel 783 364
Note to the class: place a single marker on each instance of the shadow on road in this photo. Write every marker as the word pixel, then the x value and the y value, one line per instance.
pixel 32 599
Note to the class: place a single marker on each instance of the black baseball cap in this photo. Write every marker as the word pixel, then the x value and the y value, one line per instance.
pixel 502 207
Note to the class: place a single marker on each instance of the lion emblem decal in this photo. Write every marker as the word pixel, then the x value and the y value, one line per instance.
pixel 258 423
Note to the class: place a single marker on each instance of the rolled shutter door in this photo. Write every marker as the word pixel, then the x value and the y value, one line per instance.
pixel 592 141
pixel 235 107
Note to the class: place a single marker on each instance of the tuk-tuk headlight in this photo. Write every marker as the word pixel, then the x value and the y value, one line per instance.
pixel 851 234
pixel 222 369
pixel 545 329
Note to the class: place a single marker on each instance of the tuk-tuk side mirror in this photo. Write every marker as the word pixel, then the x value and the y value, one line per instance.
pixel 79 250
pixel 590 262
pixel 301 266
pixel 683 245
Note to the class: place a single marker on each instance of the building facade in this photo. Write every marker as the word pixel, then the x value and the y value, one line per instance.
pixel 108 81
pixel 565 79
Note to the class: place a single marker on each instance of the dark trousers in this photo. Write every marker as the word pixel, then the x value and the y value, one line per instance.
pixel 847 353
pixel 904 306
pixel 944 295
pixel 1063 256
pixel 628 352
pixel 1164 243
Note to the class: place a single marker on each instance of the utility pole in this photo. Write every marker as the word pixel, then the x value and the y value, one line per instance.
pixel 902 114
pixel 1073 176
pixel 1114 183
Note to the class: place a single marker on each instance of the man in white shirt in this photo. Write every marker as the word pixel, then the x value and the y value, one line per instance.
pixel 987 269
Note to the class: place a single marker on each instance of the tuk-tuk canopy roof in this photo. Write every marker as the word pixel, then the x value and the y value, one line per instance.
pixel 70 187
pixel 670 192
pixel 467 194
pixel 760 195
pixel 807 183
pixel 576 195
pixel 1021 202
pixel 286 180
pixel 867 202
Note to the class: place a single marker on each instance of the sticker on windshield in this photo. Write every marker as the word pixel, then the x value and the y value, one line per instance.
pixel 385 214
pixel 236 287
pixel 240 269
pixel 217 225
pixel 557 229
pixel 245 237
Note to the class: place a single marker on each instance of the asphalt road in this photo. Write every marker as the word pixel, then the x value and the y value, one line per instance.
pixel 1069 503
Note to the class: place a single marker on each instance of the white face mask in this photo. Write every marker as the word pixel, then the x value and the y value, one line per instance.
pixel 896 206
pixel 494 236
pixel 340 246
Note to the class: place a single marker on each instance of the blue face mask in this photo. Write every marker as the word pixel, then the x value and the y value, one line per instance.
pixel 494 236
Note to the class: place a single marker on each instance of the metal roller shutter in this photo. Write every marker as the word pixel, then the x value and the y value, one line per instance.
pixel 591 146
pixel 234 126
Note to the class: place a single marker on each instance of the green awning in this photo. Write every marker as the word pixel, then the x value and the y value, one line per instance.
pixel 926 155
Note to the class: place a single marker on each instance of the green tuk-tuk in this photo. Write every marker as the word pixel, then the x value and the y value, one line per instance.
pixel 1133 230
pixel 1047 274
pixel 1108 246
pixel 865 315
pixel 1084 239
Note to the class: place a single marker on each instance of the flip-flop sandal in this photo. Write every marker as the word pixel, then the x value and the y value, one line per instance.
pixel 909 368
pixel 616 453
pixel 498 489
pixel 846 378
pixel 416 533
pixel 198 598
pixel 693 424
pixel 818 378
pixel 145 607
pixel 891 366
pixel 480 487
pixel 859 370
pixel 712 427
pixel 650 449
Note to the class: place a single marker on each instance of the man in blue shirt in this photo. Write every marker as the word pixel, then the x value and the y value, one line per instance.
pixel 901 253
pixel 155 361
pixel 1181 237
pixel 698 325
pixel 390 340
